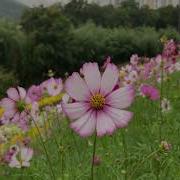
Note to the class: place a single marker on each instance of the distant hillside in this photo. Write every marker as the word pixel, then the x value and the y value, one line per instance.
pixel 11 9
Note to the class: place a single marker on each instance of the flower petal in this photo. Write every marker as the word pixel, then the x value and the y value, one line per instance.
pixel 28 100
pixel 86 125
pixel 9 107
pixel 92 76
pixel 9 113
pixel 14 162
pixel 105 124
pixel 121 118
pixel 75 110
pixel 109 79
pixel 121 98
pixel 13 94
pixel 26 154
pixel 22 92
pixel 65 98
pixel 76 125
pixel 16 117
pixel 77 88
pixel 7 104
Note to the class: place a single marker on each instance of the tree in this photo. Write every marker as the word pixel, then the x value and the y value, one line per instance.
pixel 76 11
pixel 168 16
pixel 49 42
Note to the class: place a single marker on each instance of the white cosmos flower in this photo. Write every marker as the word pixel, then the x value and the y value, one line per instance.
pixel 165 105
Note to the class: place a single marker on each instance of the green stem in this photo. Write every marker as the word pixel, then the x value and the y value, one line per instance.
pixel 62 166
pixel 125 154
pixel 45 150
pixel 45 126
pixel 61 148
pixel 58 123
pixel 61 133
pixel 93 156
pixel 60 155
pixel 160 103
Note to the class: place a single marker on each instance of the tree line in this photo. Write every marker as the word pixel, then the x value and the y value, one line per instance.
pixel 129 13
pixel 48 38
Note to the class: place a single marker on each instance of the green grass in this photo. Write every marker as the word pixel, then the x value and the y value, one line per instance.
pixel 142 159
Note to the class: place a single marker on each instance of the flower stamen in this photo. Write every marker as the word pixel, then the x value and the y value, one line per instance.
pixel 97 101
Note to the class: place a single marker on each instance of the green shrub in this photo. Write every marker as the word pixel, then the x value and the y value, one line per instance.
pixel 12 41
pixel 96 43
pixel 170 33
pixel 89 41
pixel 7 79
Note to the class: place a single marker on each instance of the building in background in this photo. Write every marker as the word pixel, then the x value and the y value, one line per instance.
pixel 154 4
pixel 158 3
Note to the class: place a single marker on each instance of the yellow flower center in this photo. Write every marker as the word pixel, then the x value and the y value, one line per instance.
pixel 97 101
pixel 1 112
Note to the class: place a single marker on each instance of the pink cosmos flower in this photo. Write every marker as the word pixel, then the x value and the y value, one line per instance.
pixel 97 161
pixel 21 158
pixel 51 87
pixel 127 82
pixel 134 59
pixel 43 87
pixel 130 78
pixel 16 106
pixel 35 111
pixel 3 120
pixel 34 93
pixel 133 76
pixel 150 92
pixel 9 154
pixel 170 48
pixel 98 105
pixel 128 68
pixel 26 141
pixel 54 86
pixel 166 146
pixel 65 99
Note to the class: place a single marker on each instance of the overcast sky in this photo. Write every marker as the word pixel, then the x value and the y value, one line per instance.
pixel 38 2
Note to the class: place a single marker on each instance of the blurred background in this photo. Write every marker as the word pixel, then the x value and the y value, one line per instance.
pixel 60 35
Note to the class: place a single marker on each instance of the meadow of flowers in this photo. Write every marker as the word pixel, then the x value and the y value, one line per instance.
pixel 110 122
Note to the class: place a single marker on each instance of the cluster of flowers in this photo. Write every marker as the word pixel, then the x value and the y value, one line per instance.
pixel 94 100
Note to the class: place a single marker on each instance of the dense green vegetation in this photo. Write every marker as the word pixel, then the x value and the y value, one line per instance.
pixel 127 14
pixel 63 38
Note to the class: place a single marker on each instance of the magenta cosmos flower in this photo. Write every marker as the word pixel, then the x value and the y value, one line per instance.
pixel 15 106
pixel 98 103
pixel 150 92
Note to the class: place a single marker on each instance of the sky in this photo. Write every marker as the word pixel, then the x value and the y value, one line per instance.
pixel 32 3
pixel 39 2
